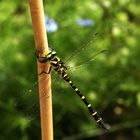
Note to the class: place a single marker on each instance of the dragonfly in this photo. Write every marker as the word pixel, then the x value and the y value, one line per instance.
pixel 27 103
pixel 61 69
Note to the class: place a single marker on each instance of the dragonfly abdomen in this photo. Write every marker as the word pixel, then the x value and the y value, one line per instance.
pixel 97 118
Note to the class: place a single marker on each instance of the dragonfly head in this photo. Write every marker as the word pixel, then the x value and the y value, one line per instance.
pixel 51 54
pixel 44 58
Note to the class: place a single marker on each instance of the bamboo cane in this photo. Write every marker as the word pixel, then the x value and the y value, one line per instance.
pixel 41 43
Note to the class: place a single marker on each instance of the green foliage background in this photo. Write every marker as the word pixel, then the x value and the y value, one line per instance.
pixel 111 82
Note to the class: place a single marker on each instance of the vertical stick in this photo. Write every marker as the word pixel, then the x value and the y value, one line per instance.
pixel 37 14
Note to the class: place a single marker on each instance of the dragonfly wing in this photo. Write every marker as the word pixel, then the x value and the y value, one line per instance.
pixel 84 47
pixel 89 61
pixel 27 101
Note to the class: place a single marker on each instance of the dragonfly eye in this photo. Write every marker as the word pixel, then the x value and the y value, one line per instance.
pixel 49 56
pixel 53 53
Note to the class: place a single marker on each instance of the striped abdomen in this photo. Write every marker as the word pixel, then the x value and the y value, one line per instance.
pixel 97 118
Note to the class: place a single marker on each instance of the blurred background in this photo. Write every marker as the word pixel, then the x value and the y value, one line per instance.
pixel 110 81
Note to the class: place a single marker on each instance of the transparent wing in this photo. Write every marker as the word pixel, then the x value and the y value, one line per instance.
pixel 86 62
pixel 79 61
pixel 27 101
pixel 85 55
pixel 86 49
